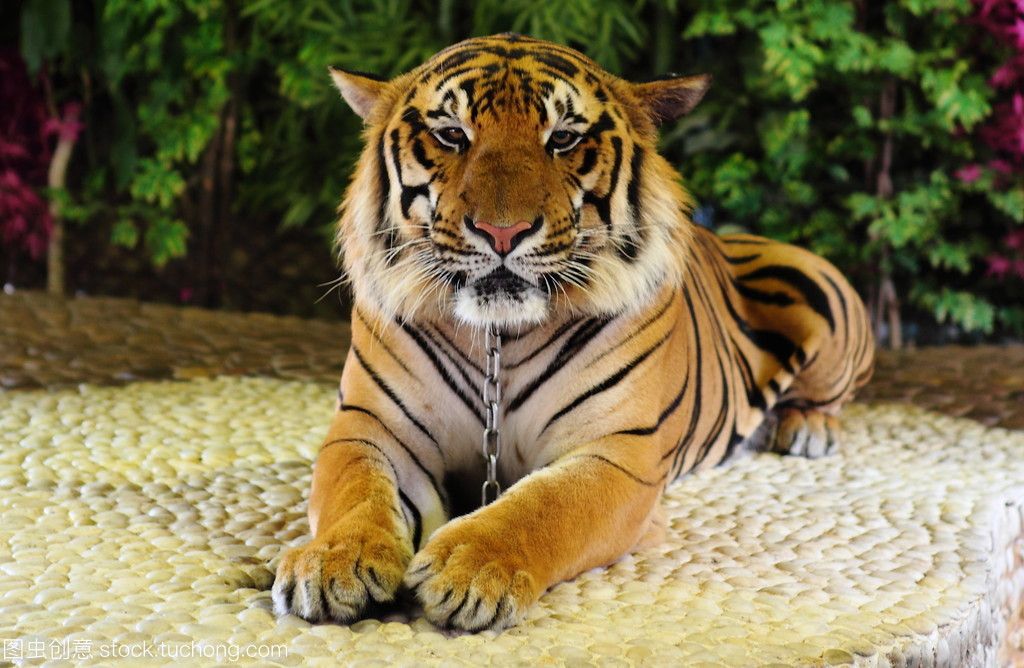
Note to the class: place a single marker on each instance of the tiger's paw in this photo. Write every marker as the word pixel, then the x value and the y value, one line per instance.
pixel 805 432
pixel 466 580
pixel 336 577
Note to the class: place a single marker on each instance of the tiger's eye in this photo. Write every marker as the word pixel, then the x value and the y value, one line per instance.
pixel 452 135
pixel 562 139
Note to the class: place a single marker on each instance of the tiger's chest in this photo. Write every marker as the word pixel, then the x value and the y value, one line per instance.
pixel 565 385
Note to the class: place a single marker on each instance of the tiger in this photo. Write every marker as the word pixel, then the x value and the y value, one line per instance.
pixel 511 184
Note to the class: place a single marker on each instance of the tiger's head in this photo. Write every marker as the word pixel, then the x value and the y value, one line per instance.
pixel 508 179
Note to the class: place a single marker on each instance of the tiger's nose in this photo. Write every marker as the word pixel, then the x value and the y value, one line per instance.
pixel 503 238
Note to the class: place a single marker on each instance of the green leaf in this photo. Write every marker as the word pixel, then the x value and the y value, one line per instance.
pixel 946 255
pixel 45 28
pixel 897 57
pixel 124 233
pixel 862 205
pixel 165 240
pixel 791 56
pixel 959 97
pixel 1010 202
pixel 157 183
pixel 963 308
pixel 862 116
pixel 715 22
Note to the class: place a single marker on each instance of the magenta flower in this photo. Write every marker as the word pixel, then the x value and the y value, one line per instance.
pixel 68 126
pixel 968 173
pixel 998 266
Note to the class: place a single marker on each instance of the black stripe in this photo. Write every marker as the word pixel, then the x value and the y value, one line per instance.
pixel 443 371
pixel 636 331
pixel 811 291
pixel 740 259
pixel 603 203
pixel 417 519
pixel 698 390
pixel 774 343
pixel 631 243
pixel 401 443
pixel 394 398
pixel 544 346
pixel 607 383
pixel 635 174
pixel 842 302
pixel 556 62
pixel 671 408
pixel 465 358
pixel 384 228
pixel 576 342
pixel 420 153
pixel 408 193
pixel 589 160
pixel 457 364
pixel 383 344
pixel 734 439
pixel 716 429
pixel 413 509
pixel 630 474
pixel 755 397
pixel 761 297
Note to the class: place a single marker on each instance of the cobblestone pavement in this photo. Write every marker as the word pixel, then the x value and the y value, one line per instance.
pixel 46 342
pixel 984 383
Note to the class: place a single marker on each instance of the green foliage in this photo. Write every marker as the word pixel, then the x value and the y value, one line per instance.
pixel 828 88
pixel 45 25
pixel 808 97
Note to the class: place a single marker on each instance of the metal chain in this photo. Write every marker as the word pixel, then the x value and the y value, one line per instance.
pixel 492 406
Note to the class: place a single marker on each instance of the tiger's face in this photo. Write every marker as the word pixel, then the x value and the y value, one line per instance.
pixel 507 179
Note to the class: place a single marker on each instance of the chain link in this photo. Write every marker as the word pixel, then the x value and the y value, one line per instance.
pixel 491 488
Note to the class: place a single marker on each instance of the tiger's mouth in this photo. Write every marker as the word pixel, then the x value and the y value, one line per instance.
pixel 501 280
pixel 501 298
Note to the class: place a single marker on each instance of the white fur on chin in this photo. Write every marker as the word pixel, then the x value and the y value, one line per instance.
pixel 527 308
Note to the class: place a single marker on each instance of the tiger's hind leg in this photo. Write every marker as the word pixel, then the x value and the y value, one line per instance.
pixel 805 432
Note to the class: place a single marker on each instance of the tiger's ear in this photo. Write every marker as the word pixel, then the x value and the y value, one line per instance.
pixel 668 99
pixel 361 91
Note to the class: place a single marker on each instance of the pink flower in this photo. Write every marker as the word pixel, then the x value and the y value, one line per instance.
pixel 998 266
pixel 1000 166
pixel 1008 73
pixel 968 173
pixel 1014 240
pixel 1016 34
pixel 68 127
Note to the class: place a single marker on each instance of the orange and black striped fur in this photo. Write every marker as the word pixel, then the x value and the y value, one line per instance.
pixel 512 182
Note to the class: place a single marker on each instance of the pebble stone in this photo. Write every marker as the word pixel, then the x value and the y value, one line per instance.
pixel 908 545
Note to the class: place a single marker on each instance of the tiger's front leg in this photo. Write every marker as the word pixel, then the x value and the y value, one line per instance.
pixel 485 569
pixel 364 527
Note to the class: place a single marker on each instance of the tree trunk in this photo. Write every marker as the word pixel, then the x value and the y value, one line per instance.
pixel 888 305
pixel 55 249
pixel 226 162
pixel 212 206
